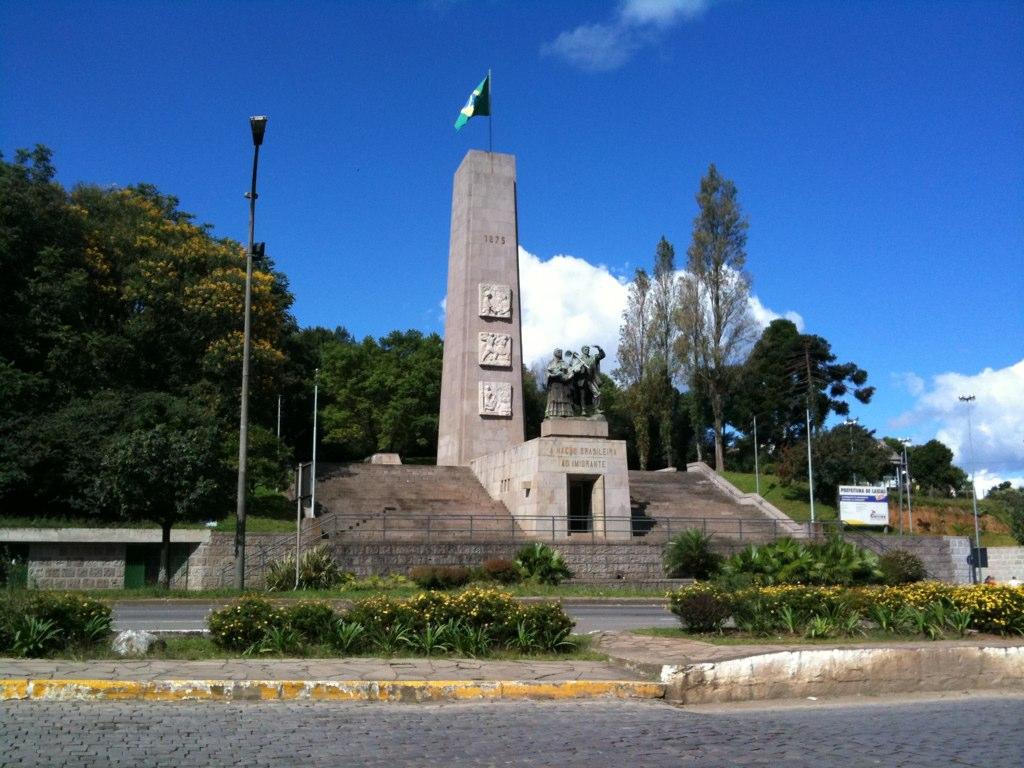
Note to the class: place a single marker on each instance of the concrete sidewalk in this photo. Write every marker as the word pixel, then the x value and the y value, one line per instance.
pixel 679 670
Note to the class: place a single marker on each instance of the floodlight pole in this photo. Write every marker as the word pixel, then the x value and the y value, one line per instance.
pixel 258 125
pixel 976 567
pixel 851 423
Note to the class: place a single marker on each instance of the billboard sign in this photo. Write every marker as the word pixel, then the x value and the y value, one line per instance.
pixel 863 505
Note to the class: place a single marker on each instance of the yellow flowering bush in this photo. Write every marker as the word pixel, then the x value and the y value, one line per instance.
pixel 245 623
pixel 985 608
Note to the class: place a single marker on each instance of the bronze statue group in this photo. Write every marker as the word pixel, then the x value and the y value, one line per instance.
pixel 574 383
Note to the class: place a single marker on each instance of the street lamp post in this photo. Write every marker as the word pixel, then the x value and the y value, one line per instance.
pixel 258 125
pixel 975 568
pixel 851 423
pixel 906 469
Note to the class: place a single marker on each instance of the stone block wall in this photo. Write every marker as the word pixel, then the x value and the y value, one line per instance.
pixel 211 565
pixel 74 565
pixel 1004 563
pixel 629 562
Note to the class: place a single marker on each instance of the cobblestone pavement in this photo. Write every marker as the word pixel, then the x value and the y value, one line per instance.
pixel 357 668
pixel 930 733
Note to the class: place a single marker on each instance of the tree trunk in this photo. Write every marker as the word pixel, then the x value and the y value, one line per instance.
pixel 165 556
pixel 643 439
pixel 716 411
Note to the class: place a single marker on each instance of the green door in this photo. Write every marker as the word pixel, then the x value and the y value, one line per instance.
pixel 135 566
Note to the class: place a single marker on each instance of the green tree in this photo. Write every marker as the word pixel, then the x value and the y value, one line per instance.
pixel 1010 502
pixel 112 297
pixel 633 373
pixel 932 469
pixel 773 385
pixel 164 474
pixel 382 396
pixel 840 454
pixel 714 316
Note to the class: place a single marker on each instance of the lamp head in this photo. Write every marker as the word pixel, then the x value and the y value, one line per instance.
pixel 258 124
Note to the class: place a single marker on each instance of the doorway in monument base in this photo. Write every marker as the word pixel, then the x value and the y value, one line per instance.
pixel 584 504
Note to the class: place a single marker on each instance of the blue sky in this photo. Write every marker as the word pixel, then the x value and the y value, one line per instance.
pixel 878 149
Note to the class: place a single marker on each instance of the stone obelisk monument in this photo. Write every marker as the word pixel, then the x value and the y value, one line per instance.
pixel 481 383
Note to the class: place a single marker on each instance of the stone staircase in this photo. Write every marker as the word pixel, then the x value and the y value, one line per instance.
pixel 413 502
pixel 667 502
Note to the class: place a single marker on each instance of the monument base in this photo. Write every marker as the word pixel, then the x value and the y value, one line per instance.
pixel 577 426
pixel 562 487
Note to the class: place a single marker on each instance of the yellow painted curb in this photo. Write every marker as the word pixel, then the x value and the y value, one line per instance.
pixel 323 690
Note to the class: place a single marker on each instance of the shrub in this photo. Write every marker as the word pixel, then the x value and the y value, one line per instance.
pixel 548 625
pixel 477 620
pixel 901 567
pixel 317 570
pixel 440 576
pixel 313 621
pixel 689 555
pixel 80 620
pixel 502 571
pixel 701 607
pixel 786 561
pixel 542 564
pixel 244 623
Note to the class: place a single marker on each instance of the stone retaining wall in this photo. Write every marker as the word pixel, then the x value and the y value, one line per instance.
pixel 1004 563
pixel 627 562
pixel 76 566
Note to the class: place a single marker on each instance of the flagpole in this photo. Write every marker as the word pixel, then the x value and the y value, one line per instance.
pixel 490 112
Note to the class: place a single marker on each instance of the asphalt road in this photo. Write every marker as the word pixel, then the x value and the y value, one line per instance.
pixel 173 615
pixel 983 732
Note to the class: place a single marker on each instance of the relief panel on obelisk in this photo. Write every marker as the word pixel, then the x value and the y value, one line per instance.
pixel 495 349
pixel 495 300
pixel 495 398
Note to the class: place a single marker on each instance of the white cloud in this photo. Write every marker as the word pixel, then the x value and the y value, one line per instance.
pixel 661 12
pixel 599 47
pixel 996 420
pixel 910 381
pixel 987 480
pixel 594 47
pixel 763 315
pixel 568 302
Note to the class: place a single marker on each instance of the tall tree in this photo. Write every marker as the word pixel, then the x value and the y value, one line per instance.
pixel 382 395
pixel 634 357
pixel 111 296
pixel 788 373
pixel 714 318
pixel 664 304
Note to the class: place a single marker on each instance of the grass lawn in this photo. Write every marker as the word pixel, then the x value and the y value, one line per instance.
pixel 358 591
pixel 268 512
pixel 200 647
pixel 791 499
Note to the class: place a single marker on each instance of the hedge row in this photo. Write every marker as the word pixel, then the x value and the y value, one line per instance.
pixel 474 622
pixel 925 608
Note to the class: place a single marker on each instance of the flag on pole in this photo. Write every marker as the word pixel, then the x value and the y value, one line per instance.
pixel 479 103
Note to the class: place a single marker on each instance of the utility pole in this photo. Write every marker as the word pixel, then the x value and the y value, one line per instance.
pixel 279 418
pixel 976 569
